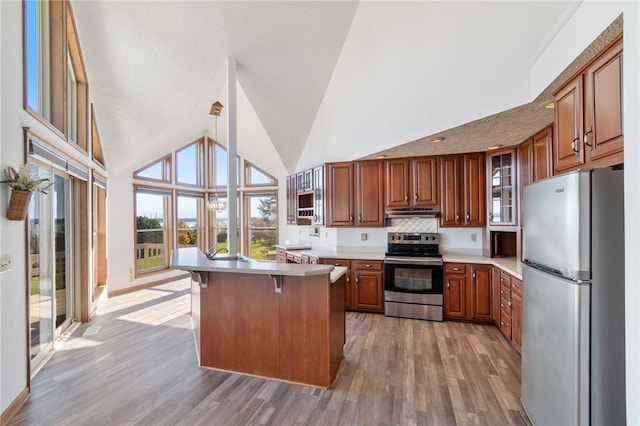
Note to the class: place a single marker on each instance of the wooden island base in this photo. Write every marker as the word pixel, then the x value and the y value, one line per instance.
pixel 241 324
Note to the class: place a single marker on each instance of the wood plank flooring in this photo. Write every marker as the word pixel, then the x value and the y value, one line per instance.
pixel 141 369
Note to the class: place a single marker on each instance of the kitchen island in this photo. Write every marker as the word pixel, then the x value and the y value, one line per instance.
pixel 280 321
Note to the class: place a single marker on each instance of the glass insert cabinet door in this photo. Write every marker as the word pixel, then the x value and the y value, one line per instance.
pixel 502 203
pixel 50 280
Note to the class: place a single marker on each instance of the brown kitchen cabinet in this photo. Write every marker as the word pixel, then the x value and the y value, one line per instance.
pixel 412 182
pixel 292 199
pixel 502 187
pixel 368 286
pixel 510 320
pixel 364 289
pixel 462 189
pixel 588 129
pixel 542 160
pixel 481 293
pixel 455 291
pixel 355 194
pixel 348 293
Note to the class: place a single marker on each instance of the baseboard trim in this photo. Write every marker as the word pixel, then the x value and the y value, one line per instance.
pixel 14 407
pixel 147 285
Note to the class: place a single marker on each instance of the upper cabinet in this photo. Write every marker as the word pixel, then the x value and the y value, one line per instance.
pixel 542 144
pixel 318 195
pixel 355 194
pixel 588 115
pixel 502 185
pixel 462 180
pixel 412 182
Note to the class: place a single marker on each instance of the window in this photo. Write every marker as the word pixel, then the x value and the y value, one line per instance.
pixel 189 165
pixel 255 177
pixel 36 14
pixel 72 104
pixel 189 210
pixel 197 223
pixel 160 171
pixel 152 217
pixel 219 158
pixel 261 224
pixel 96 146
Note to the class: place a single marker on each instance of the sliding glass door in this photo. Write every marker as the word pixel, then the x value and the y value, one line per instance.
pixel 50 263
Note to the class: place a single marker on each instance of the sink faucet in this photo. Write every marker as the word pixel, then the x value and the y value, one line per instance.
pixel 211 255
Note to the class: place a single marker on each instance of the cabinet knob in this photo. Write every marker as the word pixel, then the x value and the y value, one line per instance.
pixel 502 304
pixel 473 275
pixel 456 269
pixel 468 216
pixel 449 284
pixel 415 197
pixel 350 218
pixel 457 216
pixel 359 218
pixel 367 266
pixel 356 280
pixel 501 291
pixel 406 197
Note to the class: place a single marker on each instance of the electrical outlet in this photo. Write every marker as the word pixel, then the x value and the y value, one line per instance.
pixel 5 263
pixel 363 236
pixel 474 238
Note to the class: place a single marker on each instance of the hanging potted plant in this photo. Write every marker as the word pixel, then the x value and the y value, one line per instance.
pixel 23 183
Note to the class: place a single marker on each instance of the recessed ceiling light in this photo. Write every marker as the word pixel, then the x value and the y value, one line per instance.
pixel 491 148
pixel 379 157
pixel 436 140
pixel 550 105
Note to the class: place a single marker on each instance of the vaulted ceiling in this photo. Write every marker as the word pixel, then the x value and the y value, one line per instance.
pixel 156 67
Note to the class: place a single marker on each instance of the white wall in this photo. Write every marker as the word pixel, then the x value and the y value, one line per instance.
pixel 396 82
pixel 589 20
pixel 254 145
pixel 13 331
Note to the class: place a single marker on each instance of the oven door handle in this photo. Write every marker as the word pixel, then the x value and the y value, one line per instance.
pixel 412 261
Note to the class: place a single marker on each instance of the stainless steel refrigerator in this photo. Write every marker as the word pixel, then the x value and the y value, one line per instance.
pixel 573 299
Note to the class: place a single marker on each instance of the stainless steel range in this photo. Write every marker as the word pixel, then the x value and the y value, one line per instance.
pixel 413 276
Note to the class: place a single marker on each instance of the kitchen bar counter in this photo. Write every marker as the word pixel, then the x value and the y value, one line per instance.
pixel 279 321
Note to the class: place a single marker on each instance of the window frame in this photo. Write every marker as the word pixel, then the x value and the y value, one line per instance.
pixel 200 162
pixel 168 229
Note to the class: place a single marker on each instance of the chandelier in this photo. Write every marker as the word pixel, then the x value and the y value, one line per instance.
pixel 217 205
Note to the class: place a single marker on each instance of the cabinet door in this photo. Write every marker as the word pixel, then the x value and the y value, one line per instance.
pixel 481 294
pixel 568 148
pixel 397 183
pixel 449 190
pixel 369 193
pixel 318 195
pixel 473 190
pixel 502 200
pixel 542 143
pixel 368 291
pixel 603 104
pixel 340 190
pixel 495 288
pixel 516 314
pixel 348 293
pixel 454 297
pixel 424 182
pixel 292 199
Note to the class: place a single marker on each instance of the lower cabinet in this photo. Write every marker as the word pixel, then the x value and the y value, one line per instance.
pixel 455 291
pixel 468 292
pixel 365 287
pixel 368 286
pixel 510 316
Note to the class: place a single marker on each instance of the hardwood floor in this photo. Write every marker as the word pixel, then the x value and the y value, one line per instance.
pixel 141 368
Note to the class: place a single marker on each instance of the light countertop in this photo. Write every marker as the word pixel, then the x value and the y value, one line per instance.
pixel 192 259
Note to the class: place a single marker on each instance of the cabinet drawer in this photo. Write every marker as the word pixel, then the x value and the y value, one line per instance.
pixel 337 262
pixel 516 287
pixel 505 305
pixel 367 265
pixel 454 268
pixel 505 324
pixel 290 256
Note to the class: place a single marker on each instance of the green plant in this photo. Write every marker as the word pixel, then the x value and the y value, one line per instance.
pixel 25 179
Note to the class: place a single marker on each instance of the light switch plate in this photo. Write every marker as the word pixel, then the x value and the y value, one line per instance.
pixel 5 263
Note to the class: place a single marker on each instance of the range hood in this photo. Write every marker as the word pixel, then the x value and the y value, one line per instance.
pixel 411 212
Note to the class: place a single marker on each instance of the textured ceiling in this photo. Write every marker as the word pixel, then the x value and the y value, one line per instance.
pixel 508 127
pixel 155 67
